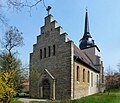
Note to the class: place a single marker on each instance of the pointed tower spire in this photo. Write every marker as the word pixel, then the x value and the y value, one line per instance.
pixel 86 29
pixel 86 41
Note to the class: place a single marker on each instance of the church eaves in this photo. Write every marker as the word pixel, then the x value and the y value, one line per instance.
pixel 83 58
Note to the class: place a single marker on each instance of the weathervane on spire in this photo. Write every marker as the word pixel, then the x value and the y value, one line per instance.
pixel 48 9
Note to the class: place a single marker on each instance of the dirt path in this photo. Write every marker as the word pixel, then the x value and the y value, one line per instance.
pixel 27 100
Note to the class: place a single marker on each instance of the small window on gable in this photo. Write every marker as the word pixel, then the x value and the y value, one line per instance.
pixel 83 75
pixel 49 51
pixel 40 53
pixel 53 49
pixel 78 74
pixel 44 52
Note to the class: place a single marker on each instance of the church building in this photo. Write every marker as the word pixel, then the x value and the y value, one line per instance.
pixel 61 70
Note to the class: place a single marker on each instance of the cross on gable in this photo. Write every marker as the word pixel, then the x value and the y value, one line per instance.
pixel 48 9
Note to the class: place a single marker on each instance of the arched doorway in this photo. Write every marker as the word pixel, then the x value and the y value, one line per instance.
pixel 46 89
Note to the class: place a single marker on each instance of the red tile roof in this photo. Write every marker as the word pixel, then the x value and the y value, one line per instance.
pixel 25 83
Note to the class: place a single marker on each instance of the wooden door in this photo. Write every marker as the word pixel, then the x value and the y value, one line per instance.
pixel 46 89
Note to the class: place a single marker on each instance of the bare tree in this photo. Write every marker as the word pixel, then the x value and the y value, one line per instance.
pixel 12 39
pixel 109 79
pixel 3 19
pixel 118 75
pixel 118 67
pixel 112 80
pixel 17 5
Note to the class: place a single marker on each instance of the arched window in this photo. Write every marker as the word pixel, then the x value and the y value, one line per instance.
pixel 97 80
pixel 88 76
pixel 102 75
pixel 83 75
pixel 78 74
pixel 91 79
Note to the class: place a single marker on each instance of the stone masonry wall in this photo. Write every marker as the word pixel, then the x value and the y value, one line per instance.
pixel 84 88
pixel 59 65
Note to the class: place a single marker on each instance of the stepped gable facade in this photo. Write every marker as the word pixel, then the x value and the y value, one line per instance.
pixel 59 69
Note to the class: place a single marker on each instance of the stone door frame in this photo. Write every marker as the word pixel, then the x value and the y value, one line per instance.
pixel 47 76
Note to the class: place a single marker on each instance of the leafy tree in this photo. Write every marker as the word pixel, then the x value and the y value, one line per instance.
pixel 10 66
pixel 11 40
pixel 7 89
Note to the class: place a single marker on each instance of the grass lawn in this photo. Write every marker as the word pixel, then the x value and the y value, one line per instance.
pixel 15 100
pixel 21 95
pixel 100 98
pixel 113 97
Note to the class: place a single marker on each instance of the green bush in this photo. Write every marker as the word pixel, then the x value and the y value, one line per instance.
pixel 22 95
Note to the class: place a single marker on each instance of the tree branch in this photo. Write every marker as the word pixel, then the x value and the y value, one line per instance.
pixel 17 5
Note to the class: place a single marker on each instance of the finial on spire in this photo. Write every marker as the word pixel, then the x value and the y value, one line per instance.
pixel 48 9
pixel 86 8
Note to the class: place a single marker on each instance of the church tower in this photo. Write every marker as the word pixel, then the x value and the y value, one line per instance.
pixel 87 41
pixel 87 44
pixel 91 50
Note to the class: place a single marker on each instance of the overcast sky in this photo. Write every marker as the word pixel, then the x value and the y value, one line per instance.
pixel 104 24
